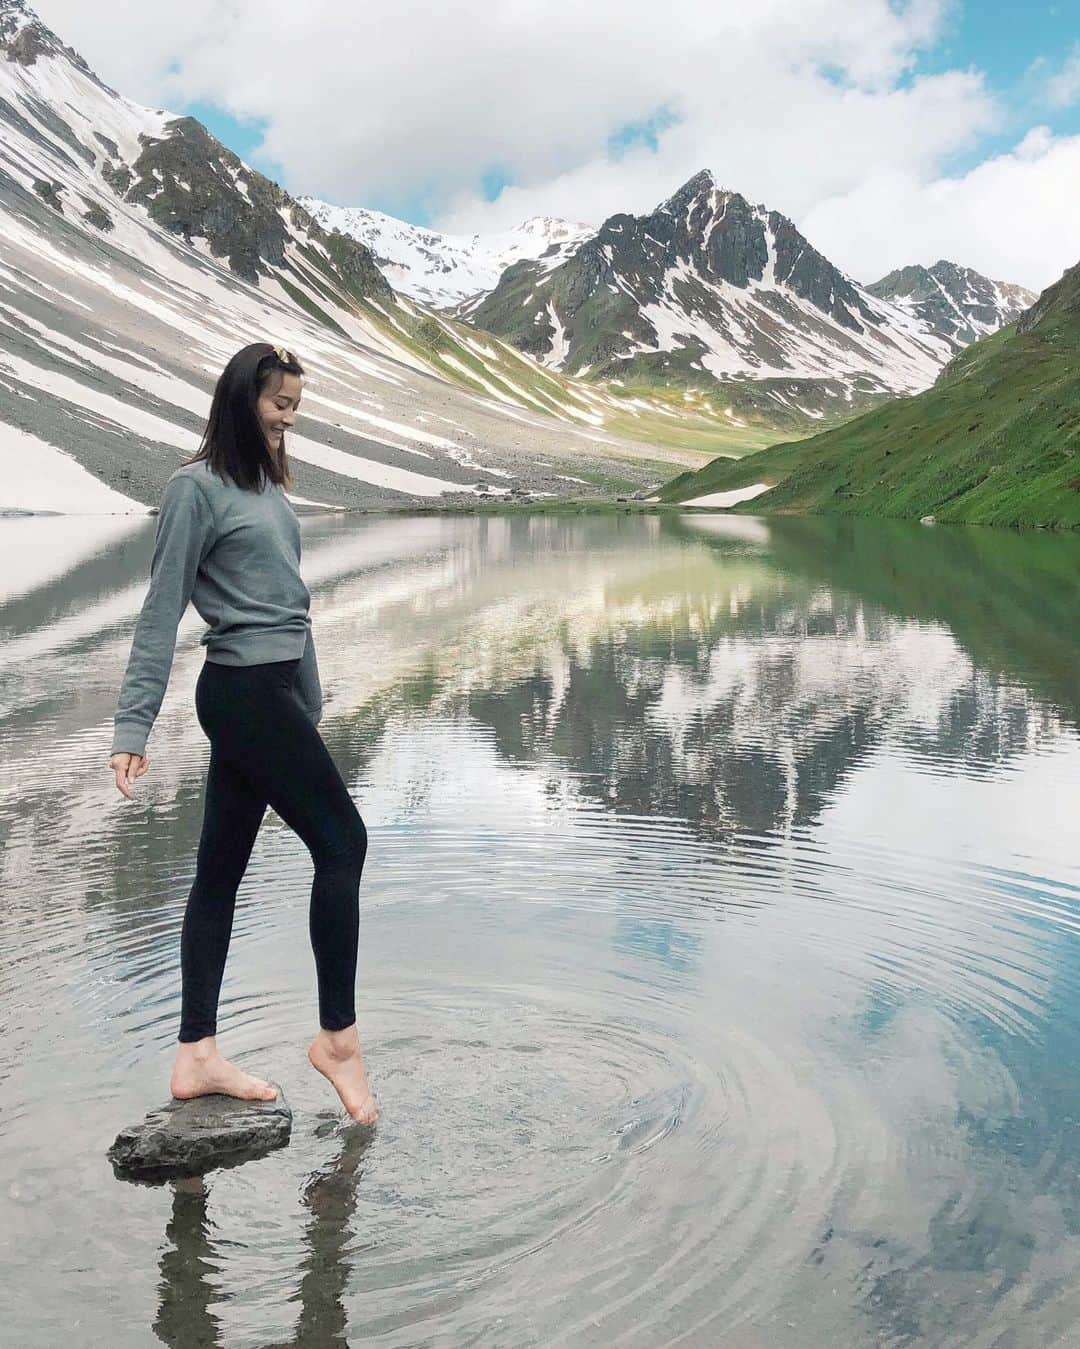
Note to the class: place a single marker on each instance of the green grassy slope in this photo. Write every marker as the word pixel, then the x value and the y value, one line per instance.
pixel 995 441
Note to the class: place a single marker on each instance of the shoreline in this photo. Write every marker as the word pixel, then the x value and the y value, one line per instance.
pixel 579 506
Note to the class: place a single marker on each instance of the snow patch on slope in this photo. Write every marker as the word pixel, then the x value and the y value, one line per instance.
pixel 39 477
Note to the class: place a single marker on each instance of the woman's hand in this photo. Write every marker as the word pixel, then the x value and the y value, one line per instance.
pixel 128 767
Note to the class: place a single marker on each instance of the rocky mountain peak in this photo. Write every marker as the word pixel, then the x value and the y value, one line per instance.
pixel 701 182
pixel 723 238
pixel 24 38
pixel 16 12
pixel 700 197
pixel 956 301
pixel 448 271
pixel 194 186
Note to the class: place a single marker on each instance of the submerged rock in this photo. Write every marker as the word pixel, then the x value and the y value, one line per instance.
pixel 186 1138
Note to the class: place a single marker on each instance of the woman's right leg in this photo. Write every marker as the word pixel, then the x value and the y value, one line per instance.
pixel 232 813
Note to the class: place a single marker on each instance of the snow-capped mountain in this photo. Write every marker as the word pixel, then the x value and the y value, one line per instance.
pixel 448 270
pixel 712 291
pixel 958 302
pixel 137 253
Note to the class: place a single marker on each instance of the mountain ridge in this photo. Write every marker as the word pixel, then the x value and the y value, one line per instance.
pixel 995 440
pixel 765 255
pixel 142 217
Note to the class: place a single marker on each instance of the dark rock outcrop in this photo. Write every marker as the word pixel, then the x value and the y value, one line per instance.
pixel 193 186
pixel 96 215
pixel 49 192
pixel 110 145
pixel 118 176
pixel 1057 306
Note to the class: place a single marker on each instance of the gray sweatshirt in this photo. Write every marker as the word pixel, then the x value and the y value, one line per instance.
pixel 235 554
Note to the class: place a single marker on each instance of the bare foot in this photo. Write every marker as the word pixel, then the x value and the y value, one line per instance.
pixel 200 1070
pixel 336 1054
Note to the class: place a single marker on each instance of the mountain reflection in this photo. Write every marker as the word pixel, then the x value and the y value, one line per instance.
pixel 736 691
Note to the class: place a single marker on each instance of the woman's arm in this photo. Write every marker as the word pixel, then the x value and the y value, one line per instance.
pixel 308 685
pixel 184 536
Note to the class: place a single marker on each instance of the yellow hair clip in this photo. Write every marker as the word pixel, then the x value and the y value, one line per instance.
pixel 284 355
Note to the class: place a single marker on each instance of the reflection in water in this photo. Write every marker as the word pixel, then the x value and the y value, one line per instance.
pixel 719 961
pixel 330 1197
pixel 185 1318
pixel 1009 598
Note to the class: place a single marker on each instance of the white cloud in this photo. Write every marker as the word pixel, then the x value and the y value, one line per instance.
pixel 802 141
pixel 803 104
pixel 1015 217
pixel 1063 89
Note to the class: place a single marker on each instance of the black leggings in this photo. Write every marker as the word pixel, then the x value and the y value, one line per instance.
pixel 264 750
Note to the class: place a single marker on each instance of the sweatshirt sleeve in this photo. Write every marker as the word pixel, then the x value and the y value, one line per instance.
pixel 308 686
pixel 184 536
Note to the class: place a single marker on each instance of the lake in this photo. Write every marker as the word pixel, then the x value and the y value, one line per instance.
pixel 719 954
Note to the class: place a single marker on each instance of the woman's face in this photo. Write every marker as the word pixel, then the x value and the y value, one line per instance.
pixel 277 406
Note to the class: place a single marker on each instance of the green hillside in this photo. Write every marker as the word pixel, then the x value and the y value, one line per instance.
pixel 995 441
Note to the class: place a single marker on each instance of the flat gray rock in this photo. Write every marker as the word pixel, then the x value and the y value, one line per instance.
pixel 186 1138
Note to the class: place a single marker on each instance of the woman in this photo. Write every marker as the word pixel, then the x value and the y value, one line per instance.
pixel 229 540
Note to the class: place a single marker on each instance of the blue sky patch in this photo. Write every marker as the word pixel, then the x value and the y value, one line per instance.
pixel 645 132
pixel 1018 49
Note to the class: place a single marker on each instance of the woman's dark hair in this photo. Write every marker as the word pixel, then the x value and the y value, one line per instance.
pixel 233 442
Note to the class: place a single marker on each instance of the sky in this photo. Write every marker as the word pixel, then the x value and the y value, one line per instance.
pixel 890 131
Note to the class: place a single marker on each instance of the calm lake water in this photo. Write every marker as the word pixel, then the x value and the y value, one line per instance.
pixel 720 945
